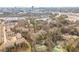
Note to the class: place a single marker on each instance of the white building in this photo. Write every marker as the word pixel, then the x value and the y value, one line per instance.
pixel 12 18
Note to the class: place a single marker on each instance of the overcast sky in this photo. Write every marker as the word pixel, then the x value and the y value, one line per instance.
pixel 39 3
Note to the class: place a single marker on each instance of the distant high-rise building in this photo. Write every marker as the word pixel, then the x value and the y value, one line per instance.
pixel 32 8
